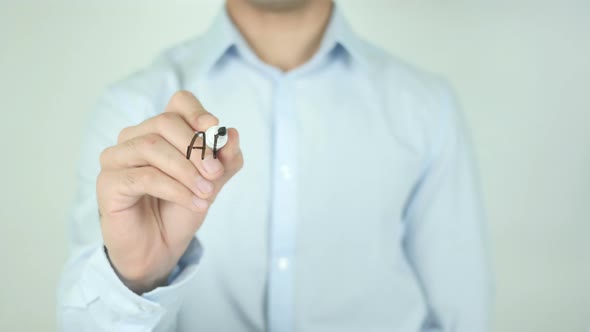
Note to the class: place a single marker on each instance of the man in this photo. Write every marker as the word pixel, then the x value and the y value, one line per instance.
pixel 351 206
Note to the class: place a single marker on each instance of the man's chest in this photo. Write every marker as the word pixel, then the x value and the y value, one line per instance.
pixel 323 156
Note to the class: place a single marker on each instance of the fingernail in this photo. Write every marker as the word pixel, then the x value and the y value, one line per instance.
pixel 212 165
pixel 200 203
pixel 204 186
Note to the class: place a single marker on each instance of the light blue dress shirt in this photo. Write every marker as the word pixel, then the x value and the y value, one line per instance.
pixel 356 208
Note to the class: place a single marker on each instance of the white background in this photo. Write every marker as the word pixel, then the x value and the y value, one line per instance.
pixel 521 69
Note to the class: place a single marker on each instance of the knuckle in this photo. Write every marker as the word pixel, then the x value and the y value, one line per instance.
pixel 164 120
pixel 147 175
pixel 209 119
pixel 194 119
pixel 180 96
pixel 123 134
pixel 147 142
pixel 104 157
pixel 100 181
pixel 136 179
pixel 203 120
pixel 212 118
pixel 103 187
pixel 131 144
pixel 129 179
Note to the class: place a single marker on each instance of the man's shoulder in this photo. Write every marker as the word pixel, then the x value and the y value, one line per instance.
pixel 164 72
pixel 153 84
pixel 422 100
pixel 395 72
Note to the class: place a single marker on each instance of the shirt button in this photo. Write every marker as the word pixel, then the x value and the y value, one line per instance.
pixel 283 263
pixel 286 172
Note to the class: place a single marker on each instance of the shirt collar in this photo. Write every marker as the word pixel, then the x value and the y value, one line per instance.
pixel 222 36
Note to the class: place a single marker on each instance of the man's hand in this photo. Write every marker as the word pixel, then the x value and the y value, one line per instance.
pixel 151 198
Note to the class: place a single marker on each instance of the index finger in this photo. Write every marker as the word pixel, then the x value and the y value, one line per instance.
pixel 191 110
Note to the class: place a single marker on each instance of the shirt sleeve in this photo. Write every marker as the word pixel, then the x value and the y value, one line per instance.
pixel 90 295
pixel 446 239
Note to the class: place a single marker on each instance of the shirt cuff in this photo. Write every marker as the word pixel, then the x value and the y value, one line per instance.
pixel 99 281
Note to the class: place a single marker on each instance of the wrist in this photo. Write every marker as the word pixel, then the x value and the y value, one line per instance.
pixel 140 282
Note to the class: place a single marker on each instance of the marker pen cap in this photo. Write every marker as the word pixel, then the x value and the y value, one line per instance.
pixel 221 139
